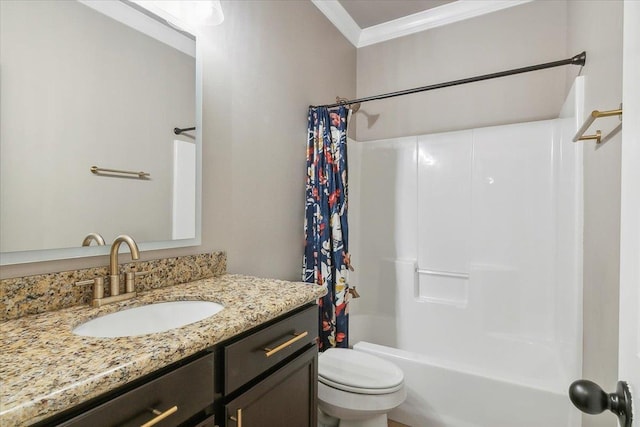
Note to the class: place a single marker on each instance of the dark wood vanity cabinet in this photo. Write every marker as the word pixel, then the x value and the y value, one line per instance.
pixel 266 377
pixel 270 377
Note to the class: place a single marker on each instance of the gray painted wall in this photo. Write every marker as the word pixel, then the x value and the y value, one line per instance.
pixel 263 67
pixel 596 26
pixel 516 37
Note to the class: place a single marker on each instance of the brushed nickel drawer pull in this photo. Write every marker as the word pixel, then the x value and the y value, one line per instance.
pixel 237 418
pixel 161 416
pixel 271 351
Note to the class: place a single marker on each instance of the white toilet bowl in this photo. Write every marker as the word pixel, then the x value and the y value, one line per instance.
pixel 356 389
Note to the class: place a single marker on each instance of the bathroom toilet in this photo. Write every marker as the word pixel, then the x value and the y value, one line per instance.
pixel 356 389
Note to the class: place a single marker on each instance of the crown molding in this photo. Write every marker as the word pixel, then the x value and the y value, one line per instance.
pixel 421 21
pixel 340 18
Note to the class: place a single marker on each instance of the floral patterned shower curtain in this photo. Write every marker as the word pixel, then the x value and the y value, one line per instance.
pixel 326 256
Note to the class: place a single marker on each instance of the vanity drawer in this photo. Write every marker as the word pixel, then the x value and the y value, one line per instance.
pixel 251 356
pixel 188 388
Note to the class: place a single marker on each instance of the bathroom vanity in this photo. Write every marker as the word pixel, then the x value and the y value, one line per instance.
pixel 265 377
pixel 252 364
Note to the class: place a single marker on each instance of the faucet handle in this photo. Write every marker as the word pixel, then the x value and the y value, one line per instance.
pixel 84 282
pixel 143 273
pixel 98 286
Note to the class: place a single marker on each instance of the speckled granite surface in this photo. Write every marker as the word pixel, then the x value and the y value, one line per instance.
pixel 23 296
pixel 45 368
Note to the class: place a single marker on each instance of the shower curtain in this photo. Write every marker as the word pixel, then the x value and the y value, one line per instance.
pixel 326 256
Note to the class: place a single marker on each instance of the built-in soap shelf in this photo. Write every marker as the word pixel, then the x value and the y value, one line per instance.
pixel 442 287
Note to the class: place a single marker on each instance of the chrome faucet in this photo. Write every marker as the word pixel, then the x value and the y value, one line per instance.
pixel 114 275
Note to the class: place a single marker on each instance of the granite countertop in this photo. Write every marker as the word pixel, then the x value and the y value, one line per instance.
pixel 45 368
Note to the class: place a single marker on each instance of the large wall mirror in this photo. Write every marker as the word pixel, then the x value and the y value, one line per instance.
pixel 96 84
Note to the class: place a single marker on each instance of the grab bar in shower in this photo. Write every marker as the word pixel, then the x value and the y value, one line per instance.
pixel 598 135
pixel 443 273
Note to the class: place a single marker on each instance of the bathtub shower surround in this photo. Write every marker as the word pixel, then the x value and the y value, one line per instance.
pixel 472 281
pixel 41 293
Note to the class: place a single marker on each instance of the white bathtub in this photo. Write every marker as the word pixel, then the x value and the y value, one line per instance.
pixel 441 396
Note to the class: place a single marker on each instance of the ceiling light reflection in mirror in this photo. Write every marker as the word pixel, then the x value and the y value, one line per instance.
pixel 190 13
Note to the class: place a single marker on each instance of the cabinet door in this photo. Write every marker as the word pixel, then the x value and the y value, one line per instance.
pixel 286 398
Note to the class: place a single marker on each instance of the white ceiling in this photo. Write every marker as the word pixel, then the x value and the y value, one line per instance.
pixel 366 22
pixel 368 13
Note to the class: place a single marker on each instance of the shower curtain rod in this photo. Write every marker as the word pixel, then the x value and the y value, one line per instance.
pixel 579 59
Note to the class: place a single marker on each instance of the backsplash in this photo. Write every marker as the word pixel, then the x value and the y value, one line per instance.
pixel 22 296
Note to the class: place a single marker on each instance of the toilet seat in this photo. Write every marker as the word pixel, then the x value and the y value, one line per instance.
pixel 351 389
pixel 358 372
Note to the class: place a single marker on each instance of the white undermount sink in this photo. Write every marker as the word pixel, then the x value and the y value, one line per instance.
pixel 148 319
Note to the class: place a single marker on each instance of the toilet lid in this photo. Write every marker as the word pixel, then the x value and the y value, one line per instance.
pixel 358 372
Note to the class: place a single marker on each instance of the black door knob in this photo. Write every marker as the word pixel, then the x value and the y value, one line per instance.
pixel 591 399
